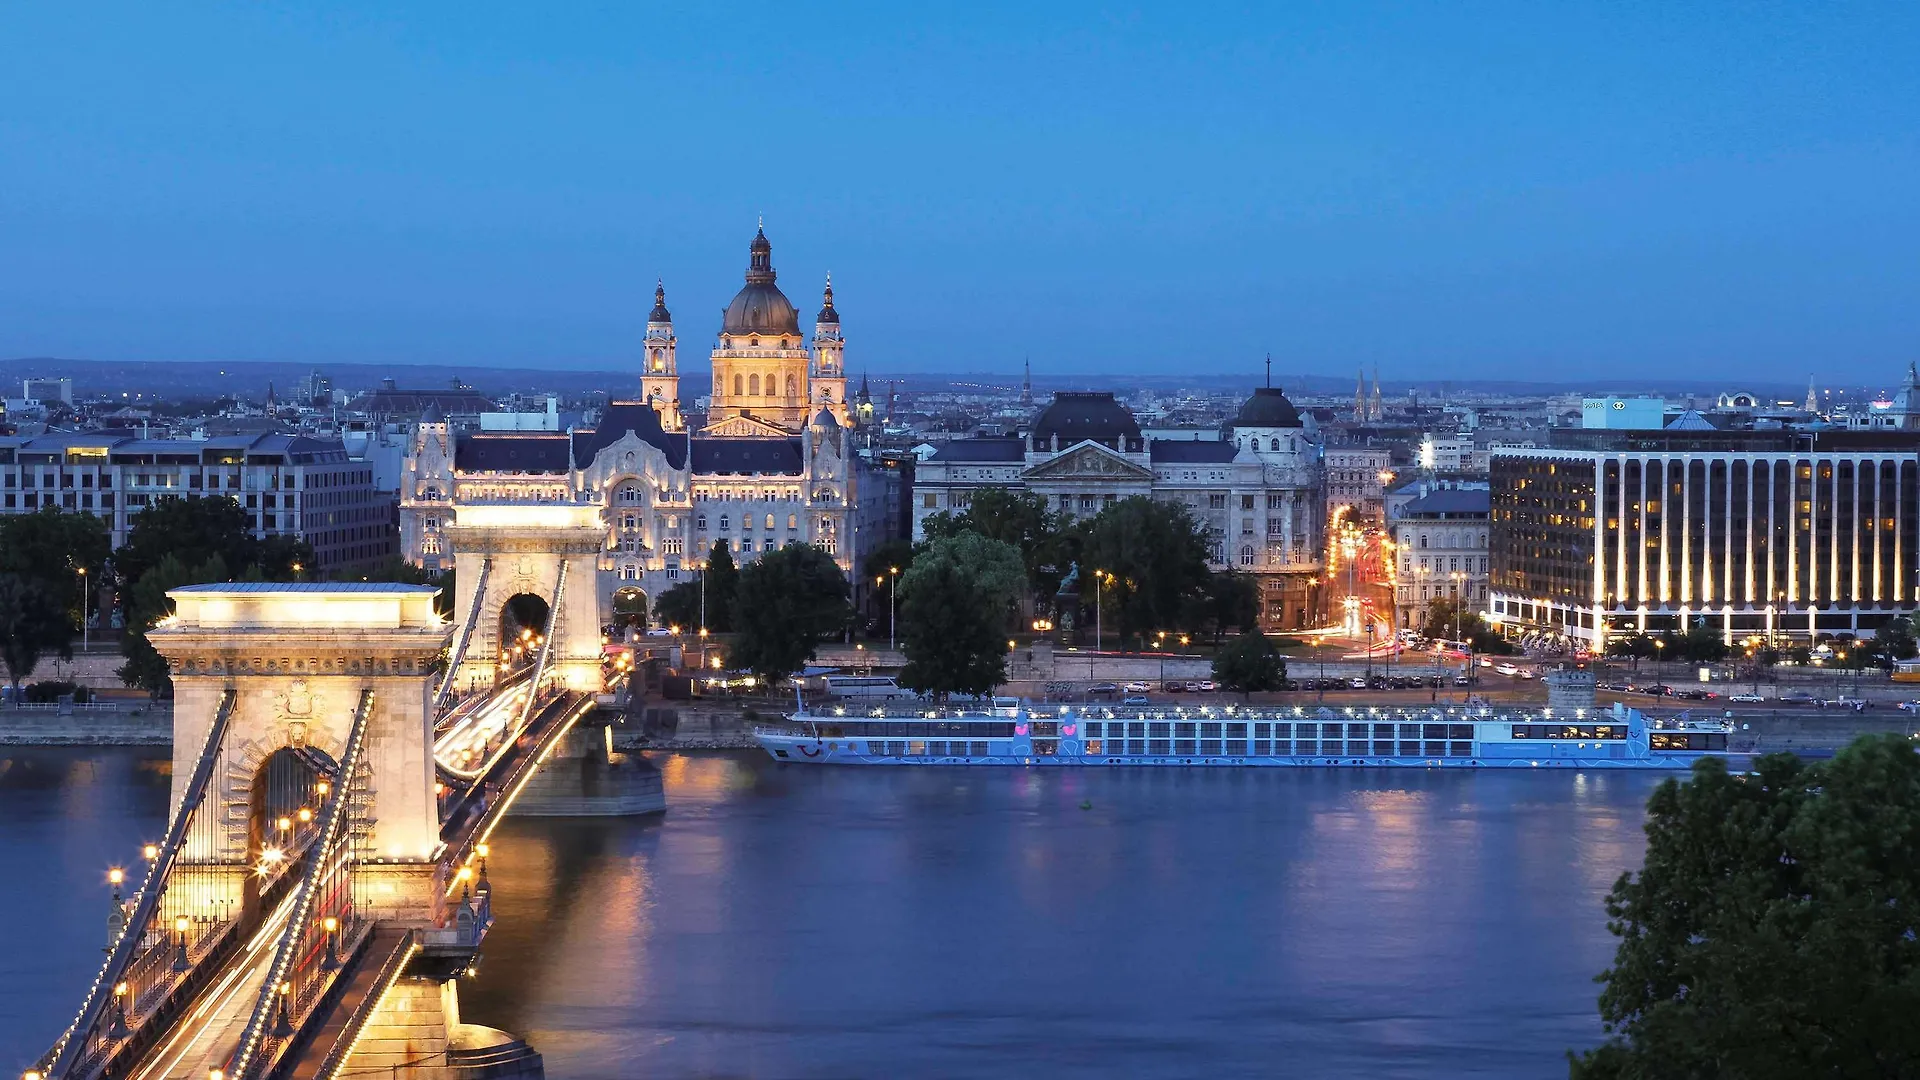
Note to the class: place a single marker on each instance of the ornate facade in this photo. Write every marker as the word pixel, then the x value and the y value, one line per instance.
pixel 1258 488
pixel 773 465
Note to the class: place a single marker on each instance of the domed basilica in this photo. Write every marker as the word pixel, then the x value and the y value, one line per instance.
pixel 772 464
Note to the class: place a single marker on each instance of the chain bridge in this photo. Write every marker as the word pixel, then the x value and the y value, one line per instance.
pixel 342 755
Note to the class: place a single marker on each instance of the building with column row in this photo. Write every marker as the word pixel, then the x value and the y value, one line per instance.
pixel 1793 533
pixel 1258 485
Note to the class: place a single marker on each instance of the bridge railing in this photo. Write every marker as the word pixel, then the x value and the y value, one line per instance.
pixel 327 919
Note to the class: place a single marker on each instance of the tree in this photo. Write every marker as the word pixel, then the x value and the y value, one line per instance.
pixel 1020 518
pixel 192 530
pixel 52 546
pixel 1897 640
pixel 1771 931
pixel 953 641
pixel 722 583
pixel 1703 643
pixel 32 625
pixel 955 602
pixel 146 604
pixel 787 602
pixel 1154 556
pixel 679 606
pixel 882 568
pixel 1229 600
pixel 1445 613
pixel 1249 663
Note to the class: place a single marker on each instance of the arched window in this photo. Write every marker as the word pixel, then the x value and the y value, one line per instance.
pixel 1276 442
pixel 1423 539
pixel 769 521
pixel 1246 555
pixel 793 521
pixel 753 386
pixel 739 386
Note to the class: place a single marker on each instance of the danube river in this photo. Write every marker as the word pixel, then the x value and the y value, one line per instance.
pixel 842 922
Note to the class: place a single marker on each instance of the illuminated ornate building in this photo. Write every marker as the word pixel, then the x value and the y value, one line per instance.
pixel 1258 487
pixel 774 464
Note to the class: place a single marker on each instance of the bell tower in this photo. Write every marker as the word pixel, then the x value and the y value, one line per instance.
pixel 660 377
pixel 829 376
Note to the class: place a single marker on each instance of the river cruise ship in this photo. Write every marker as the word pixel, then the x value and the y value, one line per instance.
pixel 1009 732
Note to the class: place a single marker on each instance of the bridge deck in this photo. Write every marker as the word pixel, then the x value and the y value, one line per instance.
pixel 331 1030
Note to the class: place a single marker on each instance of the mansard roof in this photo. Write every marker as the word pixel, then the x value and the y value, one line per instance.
pixel 1190 451
pixel 518 452
pixel 982 449
pixel 748 457
pixel 620 418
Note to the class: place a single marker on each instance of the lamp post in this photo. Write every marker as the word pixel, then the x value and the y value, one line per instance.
pixel 893 592
pixel 86 599
pixel 1098 577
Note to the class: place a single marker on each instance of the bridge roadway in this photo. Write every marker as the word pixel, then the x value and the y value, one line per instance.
pixel 483 771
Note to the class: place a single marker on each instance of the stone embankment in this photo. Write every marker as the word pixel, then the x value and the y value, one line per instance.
pixel 112 723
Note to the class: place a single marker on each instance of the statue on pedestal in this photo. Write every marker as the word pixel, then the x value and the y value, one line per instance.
pixel 1066 608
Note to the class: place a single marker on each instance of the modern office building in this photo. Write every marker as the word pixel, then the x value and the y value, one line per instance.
pixel 1766 532
pixel 290 485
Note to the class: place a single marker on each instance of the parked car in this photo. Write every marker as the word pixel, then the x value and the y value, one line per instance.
pixel 1204 686
pixel 1174 686
pixel 1464 680
pixel 1357 682
pixel 1507 669
pixel 659 631
pixel 1103 688
pixel 1750 699
pixel 1910 706
pixel 1136 699
pixel 1136 687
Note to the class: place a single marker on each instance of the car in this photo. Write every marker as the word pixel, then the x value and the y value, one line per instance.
pixel 1136 687
pixel 1357 683
pixel 1909 706
pixel 1484 662
pixel 1136 699
pixel 1174 686
pixel 1464 680
pixel 1204 686
pixel 1507 669
pixel 1528 674
pixel 1751 699
pixel 1103 688
pixel 659 631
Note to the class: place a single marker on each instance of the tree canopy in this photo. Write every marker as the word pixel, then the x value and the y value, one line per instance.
pixel 1248 664
pixel 679 606
pixel 1020 518
pixel 955 602
pixel 51 547
pixel 1154 556
pixel 1774 930
pixel 722 583
pixel 32 625
pixel 787 602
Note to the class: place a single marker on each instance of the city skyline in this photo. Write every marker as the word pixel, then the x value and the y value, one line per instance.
pixel 1547 194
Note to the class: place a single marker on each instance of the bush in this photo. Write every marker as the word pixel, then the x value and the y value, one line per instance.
pixel 52 690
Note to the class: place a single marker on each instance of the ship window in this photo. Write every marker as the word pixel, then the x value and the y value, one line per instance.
pixel 1433 731
pixel 1307 731
pixel 1093 746
pixel 1183 747
pixel 1263 747
pixel 1210 747
pixel 1460 749
pixel 916 748
pixel 1383 731
pixel 1158 729
pixel 1384 749
pixel 1157 746
pixel 1183 731
pixel 1263 731
pixel 937 749
pixel 1522 731
pixel 1209 731
pixel 1048 729
pixel 1136 730
pixel 1409 749
pixel 1409 731
pixel 977 749
pixel 1236 731
pixel 1283 731
pixel 1435 749
pixel 1237 746
pixel 1460 731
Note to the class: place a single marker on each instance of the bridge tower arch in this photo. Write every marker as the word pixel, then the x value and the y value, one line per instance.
pixel 503 550
pixel 299 658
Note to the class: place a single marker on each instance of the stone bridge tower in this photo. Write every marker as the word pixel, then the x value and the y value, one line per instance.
pixel 520 548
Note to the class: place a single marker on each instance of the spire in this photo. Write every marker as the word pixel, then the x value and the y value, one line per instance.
pixel 1269 369
pixel 1026 381
pixel 1360 397
pixel 760 259
pixel 1374 409
pixel 866 398
pixel 1813 401
pixel 827 314
pixel 660 313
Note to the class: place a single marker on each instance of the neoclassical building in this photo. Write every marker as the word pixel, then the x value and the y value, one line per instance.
pixel 1258 487
pixel 774 463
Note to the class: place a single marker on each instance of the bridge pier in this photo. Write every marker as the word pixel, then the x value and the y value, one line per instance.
pixel 415 1033
pixel 586 777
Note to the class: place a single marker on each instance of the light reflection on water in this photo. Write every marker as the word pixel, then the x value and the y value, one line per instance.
pixel 797 921
pixel 820 922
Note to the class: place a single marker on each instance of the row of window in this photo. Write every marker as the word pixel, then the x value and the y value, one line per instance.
pixel 1569 731
pixel 1161 729
pixel 918 729
pixel 1332 748
pixel 1687 740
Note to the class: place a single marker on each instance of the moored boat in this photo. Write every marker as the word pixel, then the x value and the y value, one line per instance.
pixel 1018 733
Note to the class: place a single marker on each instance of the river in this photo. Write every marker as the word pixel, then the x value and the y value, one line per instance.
pixel 794 921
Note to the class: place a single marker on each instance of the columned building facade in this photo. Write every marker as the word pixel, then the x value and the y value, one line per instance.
pixel 1768 533
pixel 1257 488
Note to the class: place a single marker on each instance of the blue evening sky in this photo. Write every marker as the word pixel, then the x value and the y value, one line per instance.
pixel 1450 190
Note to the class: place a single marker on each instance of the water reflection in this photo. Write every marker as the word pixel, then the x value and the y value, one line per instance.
pixel 794 921
pixel 834 922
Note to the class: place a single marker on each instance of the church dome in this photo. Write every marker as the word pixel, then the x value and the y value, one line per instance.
pixel 825 419
pixel 660 313
pixel 1267 408
pixel 827 313
pixel 760 307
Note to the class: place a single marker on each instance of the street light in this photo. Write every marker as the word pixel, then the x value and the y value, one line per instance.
pixel 893 592
pixel 1099 576
pixel 86 600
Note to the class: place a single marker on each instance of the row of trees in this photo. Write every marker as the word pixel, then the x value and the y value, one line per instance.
pixel 53 561
pixel 778 608
pixel 1704 643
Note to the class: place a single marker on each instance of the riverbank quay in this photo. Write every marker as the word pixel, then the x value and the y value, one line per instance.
pixel 109 723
